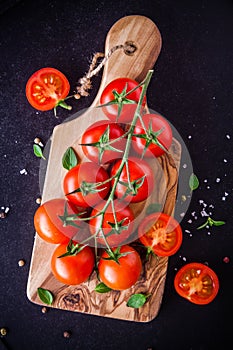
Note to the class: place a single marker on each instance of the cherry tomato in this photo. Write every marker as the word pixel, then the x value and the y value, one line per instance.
pixel 83 185
pixel 197 282
pixel 49 224
pixel 97 137
pixel 158 139
pixel 161 233
pixel 125 272
pixel 117 226
pixel 75 268
pixel 141 177
pixel 121 108
pixel 46 88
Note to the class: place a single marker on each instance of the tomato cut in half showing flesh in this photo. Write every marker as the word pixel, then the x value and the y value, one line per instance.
pixel 74 268
pixel 197 283
pixel 122 273
pixel 46 87
pixel 161 233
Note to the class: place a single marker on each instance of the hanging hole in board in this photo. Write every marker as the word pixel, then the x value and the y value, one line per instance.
pixel 129 48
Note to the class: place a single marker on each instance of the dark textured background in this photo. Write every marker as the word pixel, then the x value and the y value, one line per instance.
pixel 192 87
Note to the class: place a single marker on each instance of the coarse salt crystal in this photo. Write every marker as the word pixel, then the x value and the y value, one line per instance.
pixel 228 136
pixel 223 198
pixel 208 233
pixel 204 213
pixel 193 213
pixel 184 166
pixel 226 194
pixel 23 171
pixel 187 231
pixel 184 258
pixel 218 179
pixel 189 221
pixel 208 187
pixel 190 136
pixel 182 215
pixel 225 161
pixel 205 180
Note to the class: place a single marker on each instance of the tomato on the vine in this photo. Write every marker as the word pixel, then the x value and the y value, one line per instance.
pixel 50 221
pixel 47 88
pixel 98 142
pixel 122 270
pixel 86 184
pixel 197 283
pixel 73 263
pixel 117 224
pixel 117 105
pixel 136 181
pixel 161 233
pixel 156 139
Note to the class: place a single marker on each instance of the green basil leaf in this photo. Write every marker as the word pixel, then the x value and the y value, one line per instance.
pixel 38 151
pixel 69 159
pixel 193 182
pixel 218 223
pixel 137 300
pixel 153 208
pixel 102 288
pixel 45 295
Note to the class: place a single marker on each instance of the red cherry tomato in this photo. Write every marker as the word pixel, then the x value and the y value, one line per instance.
pixel 141 177
pixel 46 87
pixel 83 185
pixel 117 226
pixel 72 269
pixel 159 138
pixel 122 274
pixel 197 283
pixel 114 95
pixel 48 221
pixel 161 233
pixel 97 137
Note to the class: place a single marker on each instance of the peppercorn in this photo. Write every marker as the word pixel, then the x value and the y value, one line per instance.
pixel 21 262
pixel 3 332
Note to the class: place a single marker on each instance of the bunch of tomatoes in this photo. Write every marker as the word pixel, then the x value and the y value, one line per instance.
pixel 93 226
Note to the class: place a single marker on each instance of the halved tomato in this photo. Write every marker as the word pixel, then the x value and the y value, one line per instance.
pixel 197 282
pixel 161 233
pixel 47 88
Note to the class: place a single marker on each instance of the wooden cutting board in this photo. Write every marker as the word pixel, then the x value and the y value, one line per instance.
pixel 144 34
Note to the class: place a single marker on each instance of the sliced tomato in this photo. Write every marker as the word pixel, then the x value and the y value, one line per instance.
pixel 197 282
pixel 46 88
pixel 161 233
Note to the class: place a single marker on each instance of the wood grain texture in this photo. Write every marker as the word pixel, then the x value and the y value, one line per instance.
pixel 82 298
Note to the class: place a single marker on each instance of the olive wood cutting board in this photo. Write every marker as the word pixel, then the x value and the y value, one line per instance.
pixel 145 36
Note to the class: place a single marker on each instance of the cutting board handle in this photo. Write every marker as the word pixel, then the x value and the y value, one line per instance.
pixel 144 36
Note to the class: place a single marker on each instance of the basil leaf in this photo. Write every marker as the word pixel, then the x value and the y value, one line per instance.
pixel 193 182
pixel 153 208
pixel 45 295
pixel 102 288
pixel 218 223
pixel 137 300
pixel 38 151
pixel 69 159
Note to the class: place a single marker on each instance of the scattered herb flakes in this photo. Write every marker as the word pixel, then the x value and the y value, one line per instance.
pixel 45 295
pixel 69 159
pixel 102 288
pixel 193 182
pixel 137 300
pixel 38 151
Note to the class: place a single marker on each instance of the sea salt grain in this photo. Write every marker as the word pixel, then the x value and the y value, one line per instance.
pixel 218 179
pixel 224 160
pixel 228 136
pixel 23 171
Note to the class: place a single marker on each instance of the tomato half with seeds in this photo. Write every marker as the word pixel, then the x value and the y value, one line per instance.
pixel 158 138
pixel 123 273
pixel 136 181
pixel 161 233
pixel 117 224
pixel 197 283
pixel 119 106
pixel 50 222
pixel 73 268
pixel 47 88
pixel 86 184
pixel 99 142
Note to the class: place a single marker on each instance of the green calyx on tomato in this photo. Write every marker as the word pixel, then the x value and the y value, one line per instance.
pixel 87 188
pixel 151 137
pixel 115 255
pixel 103 144
pixel 120 99
pixel 72 249
pixel 70 219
